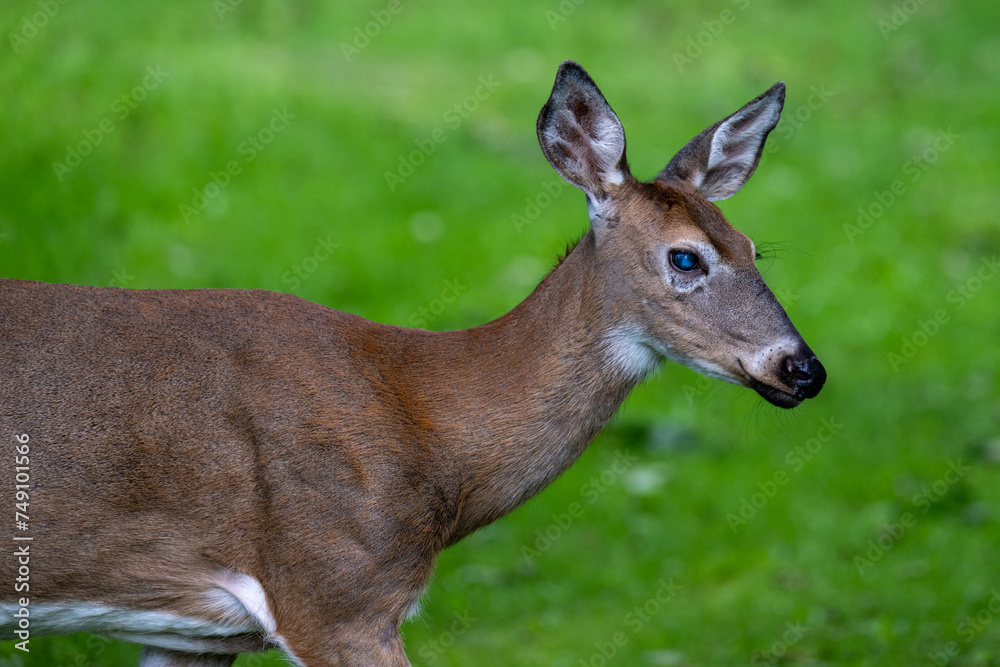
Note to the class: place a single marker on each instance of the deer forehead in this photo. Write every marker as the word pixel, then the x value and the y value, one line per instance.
pixel 670 216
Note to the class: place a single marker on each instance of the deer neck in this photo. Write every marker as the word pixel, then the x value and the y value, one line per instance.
pixel 545 378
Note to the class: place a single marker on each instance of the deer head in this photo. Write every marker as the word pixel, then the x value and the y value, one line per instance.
pixel 678 280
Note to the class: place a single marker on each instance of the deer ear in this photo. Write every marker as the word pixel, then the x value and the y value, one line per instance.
pixel 582 137
pixel 719 161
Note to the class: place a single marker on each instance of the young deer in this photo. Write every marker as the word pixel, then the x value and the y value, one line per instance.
pixel 215 472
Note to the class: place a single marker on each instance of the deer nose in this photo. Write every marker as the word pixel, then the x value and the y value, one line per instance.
pixel 805 373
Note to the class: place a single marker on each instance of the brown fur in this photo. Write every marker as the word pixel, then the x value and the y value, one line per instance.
pixel 178 433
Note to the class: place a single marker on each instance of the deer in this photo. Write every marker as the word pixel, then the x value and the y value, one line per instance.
pixel 213 472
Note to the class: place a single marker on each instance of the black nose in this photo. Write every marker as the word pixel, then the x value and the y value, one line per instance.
pixel 805 373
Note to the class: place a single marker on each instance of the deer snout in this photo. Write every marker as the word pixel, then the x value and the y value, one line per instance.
pixel 785 376
pixel 804 372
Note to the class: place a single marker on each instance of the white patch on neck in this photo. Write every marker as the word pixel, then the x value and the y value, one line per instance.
pixel 629 352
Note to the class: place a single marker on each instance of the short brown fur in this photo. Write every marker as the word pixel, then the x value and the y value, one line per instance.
pixel 178 434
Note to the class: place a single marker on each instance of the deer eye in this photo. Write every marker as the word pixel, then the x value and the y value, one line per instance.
pixel 684 261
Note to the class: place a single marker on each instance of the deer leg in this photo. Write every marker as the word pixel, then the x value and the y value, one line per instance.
pixel 346 649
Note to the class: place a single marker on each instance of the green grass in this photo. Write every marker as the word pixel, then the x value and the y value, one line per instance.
pixel 312 213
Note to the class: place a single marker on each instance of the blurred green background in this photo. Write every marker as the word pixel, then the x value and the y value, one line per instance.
pixel 859 529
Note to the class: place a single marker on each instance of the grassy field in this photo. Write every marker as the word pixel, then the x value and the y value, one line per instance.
pixel 297 146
